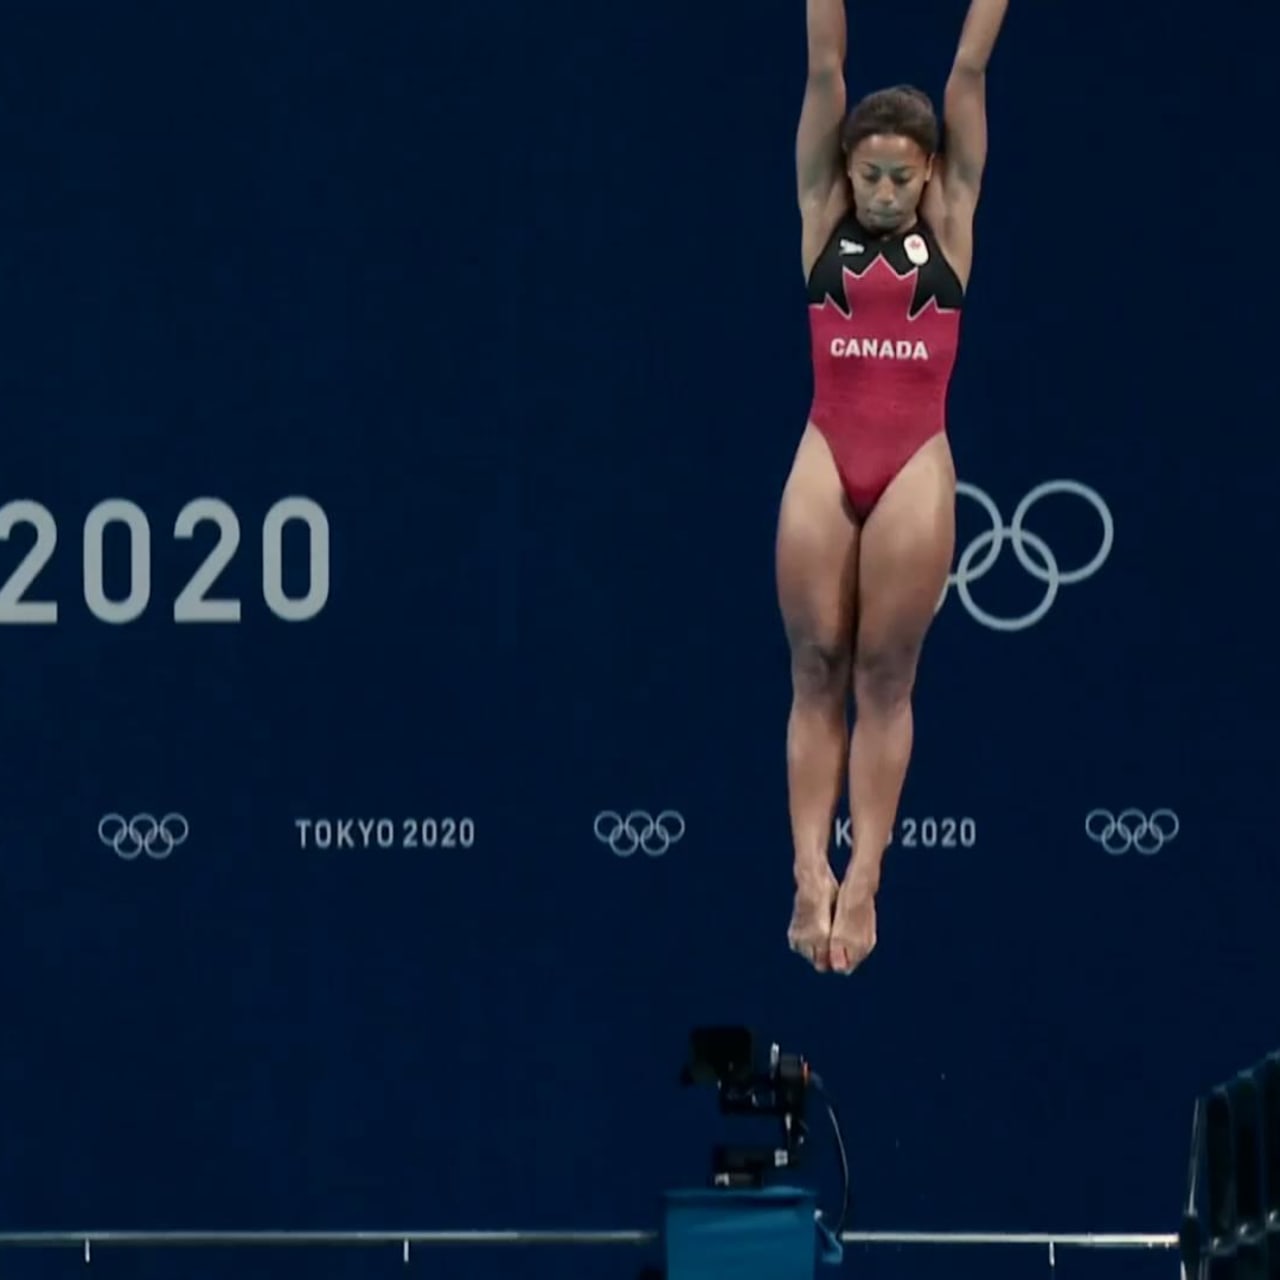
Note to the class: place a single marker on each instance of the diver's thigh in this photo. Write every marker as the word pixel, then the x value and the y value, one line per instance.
pixel 907 545
pixel 817 545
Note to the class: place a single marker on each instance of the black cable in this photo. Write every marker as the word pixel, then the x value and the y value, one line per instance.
pixel 816 1081
pixel 1193 1164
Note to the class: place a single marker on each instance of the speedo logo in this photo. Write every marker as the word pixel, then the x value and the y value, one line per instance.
pixel 878 349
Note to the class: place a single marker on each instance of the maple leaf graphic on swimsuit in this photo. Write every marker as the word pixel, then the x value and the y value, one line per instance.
pixel 883 352
pixel 878 323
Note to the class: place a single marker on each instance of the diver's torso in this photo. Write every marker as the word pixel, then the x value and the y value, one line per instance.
pixel 884 316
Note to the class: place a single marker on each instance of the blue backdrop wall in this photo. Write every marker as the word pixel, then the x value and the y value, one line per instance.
pixel 397 403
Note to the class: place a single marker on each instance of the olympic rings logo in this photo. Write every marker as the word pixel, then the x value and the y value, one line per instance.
pixel 132 837
pixel 1032 551
pixel 1132 829
pixel 639 831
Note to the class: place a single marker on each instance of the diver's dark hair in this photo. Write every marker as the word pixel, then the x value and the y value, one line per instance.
pixel 902 109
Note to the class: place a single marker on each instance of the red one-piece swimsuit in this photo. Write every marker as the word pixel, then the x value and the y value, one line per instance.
pixel 884 319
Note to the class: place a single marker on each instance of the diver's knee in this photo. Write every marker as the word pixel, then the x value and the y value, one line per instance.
pixel 819 669
pixel 885 674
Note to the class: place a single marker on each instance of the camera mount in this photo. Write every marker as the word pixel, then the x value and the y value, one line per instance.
pixel 777 1086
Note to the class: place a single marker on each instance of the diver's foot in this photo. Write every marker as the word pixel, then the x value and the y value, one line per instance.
pixel 853 932
pixel 809 933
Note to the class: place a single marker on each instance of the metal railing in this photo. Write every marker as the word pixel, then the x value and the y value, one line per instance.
pixel 407 1241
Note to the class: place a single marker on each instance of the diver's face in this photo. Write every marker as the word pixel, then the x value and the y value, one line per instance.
pixel 888 173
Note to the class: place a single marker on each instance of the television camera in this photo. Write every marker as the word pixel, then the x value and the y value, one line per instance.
pixel 773 1084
